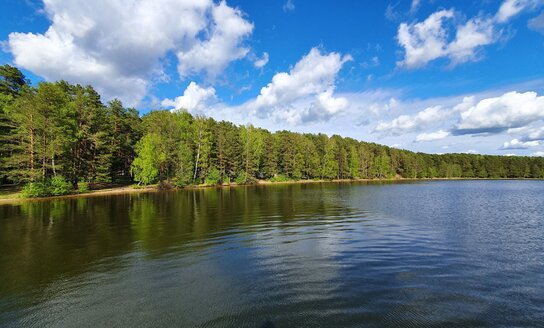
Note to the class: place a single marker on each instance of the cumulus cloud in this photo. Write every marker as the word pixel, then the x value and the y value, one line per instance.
pixel 228 30
pixel 424 41
pixel 538 154
pixel 518 144
pixel 195 98
pixel 497 114
pixel 117 45
pixel 432 136
pixel 534 134
pixel 433 38
pixel 445 35
pixel 304 93
pixel 410 123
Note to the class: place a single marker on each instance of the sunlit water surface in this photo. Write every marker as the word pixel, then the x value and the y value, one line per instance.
pixel 426 254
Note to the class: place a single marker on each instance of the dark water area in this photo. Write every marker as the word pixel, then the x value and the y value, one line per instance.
pixel 424 254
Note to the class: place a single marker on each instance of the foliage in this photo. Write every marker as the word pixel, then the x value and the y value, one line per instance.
pixel 213 177
pixel 244 178
pixel 149 158
pixel 83 187
pixel 280 178
pixel 59 129
pixel 35 189
pixel 56 186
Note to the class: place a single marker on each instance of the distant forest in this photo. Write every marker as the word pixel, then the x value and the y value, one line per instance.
pixel 65 132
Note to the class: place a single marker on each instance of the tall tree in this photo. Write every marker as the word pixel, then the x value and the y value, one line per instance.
pixel 150 157
pixel 252 149
pixel 202 138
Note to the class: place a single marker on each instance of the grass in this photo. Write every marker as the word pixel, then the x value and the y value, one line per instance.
pixel 10 192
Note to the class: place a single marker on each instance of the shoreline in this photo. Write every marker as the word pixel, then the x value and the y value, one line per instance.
pixel 15 197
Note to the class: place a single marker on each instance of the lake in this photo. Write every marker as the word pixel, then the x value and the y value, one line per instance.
pixel 421 254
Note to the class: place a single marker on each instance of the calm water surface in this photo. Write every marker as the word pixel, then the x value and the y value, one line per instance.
pixel 427 254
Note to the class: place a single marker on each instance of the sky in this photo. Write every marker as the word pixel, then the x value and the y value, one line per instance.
pixel 425 75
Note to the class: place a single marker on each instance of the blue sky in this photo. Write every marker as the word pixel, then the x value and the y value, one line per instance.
pixel 425 75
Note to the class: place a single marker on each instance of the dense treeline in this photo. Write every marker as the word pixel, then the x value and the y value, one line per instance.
pixel 61 130
pixel 183 149
pixel 56 135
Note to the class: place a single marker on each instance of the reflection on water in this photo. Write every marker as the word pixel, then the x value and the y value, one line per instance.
pixel 456 253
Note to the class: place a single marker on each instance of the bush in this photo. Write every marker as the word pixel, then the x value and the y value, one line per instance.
pixel 280 178
pixel 83 187
pixel 56 186
pixel 34 189
pixel 213 177
pixel 244 178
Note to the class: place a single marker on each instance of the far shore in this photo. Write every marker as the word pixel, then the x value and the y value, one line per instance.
pixel 15 197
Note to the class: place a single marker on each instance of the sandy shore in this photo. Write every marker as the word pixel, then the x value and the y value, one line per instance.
pixel 15 198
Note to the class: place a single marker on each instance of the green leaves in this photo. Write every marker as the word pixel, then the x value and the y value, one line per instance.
pixel 59 129
pixel 149 158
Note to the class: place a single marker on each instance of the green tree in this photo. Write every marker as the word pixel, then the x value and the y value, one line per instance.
pixel 252 149
pixel 202 139
pixel 329 163
pixel 149 158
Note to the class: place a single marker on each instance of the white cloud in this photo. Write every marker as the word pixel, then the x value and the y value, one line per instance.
pixel 414 6
pixel 469 38
pixel 305 94
pixel 311 82
pixel 432 136
pixel 195 98
pixel 289 6
pixel 424 41
pixel 223 46
pixel 534 134
pixel 261 62
pixel 466 104
pixel 117 45
pixel 518 144
pixel 510 8
pixel 444 35
pixel 496 114
pixel 410 123
pixel 537 23
pixel 538 154
pixel 373 62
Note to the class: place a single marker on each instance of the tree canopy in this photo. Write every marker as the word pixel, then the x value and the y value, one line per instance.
pixel 58 129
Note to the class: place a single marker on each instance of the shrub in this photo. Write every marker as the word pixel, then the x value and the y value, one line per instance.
pixel 280 178
pixel 83 187
pixel 34 189
pixel 55 186
pixel 58 186
pixel 244 178
pixel 213 177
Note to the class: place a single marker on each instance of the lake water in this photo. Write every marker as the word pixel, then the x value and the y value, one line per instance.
pixel 425 254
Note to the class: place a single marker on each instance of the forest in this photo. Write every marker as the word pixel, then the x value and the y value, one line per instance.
pixel 57 138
